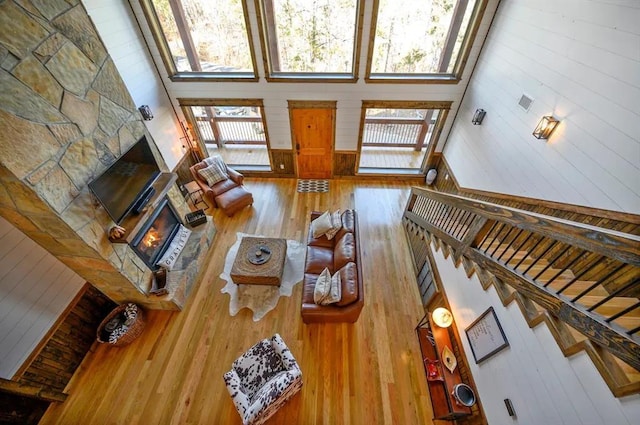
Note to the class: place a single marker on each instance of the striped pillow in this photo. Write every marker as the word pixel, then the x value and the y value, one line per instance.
pixel 213 174
pixel 216 159
pixel 336 222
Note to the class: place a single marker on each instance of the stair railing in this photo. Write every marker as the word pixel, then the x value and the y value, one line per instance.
pixel 587 277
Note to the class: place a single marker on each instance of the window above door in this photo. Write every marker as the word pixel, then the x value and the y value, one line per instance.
pixel 314 40
pixel 310 41
pixel 202 40
pixel 418 42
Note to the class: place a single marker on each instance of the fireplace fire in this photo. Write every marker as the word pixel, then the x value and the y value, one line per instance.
pixel 151 239
pixel 155 236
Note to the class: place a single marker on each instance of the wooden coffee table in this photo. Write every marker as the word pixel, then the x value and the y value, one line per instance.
pixel 267 273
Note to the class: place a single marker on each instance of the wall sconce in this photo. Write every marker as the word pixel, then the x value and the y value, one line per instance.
pixel 147 115
pixel 545 127
pixel 442 317
pixel 478 116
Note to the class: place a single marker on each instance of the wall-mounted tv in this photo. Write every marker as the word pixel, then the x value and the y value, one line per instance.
pixel 123 183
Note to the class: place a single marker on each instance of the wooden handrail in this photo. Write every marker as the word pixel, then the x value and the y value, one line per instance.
pixel 560 254
pixel 614 244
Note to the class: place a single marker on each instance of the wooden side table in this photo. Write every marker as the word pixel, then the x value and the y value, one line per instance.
pixel 432 340
pixel 195 194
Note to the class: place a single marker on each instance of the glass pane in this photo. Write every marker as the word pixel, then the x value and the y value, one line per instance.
pixel 313 36
pixel 203 116
pixel 215 31
pixel 419 37
pixel 236 133
pixel 396 140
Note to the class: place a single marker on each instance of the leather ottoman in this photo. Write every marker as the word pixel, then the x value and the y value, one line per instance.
pixel 234 200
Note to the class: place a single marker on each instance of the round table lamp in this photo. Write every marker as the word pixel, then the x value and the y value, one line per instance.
pixel 442 317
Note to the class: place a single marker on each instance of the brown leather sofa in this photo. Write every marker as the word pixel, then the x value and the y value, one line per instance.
pixel 228 195
pixel 342 253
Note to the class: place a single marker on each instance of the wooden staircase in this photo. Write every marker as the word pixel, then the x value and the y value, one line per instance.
pixel 583 282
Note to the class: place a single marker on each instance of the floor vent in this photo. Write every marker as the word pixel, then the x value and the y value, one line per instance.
pixel 525 102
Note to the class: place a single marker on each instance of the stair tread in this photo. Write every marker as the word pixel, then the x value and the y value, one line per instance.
pixel 627 322
pixel 578 287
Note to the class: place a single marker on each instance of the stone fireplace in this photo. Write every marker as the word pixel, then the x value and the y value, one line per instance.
pixel 67 116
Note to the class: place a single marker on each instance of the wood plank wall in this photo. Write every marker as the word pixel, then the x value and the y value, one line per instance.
pixel 35 289
pixel 182 169
pixel 344 163
pixel 578 61
pixel 622 222
pixel 62 354
pixel 283 157
pixel 59 357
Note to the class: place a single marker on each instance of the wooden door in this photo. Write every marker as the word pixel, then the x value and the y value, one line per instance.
pixel 312 130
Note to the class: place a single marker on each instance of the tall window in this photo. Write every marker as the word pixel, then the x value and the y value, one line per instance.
pixel 421 39
pixel 397 136
pixel 232 128
pixel 200 38
pixel 310 38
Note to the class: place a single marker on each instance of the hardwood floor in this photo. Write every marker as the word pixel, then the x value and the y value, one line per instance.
pixel 369 372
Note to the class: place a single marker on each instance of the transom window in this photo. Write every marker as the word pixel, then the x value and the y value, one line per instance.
pixel 415 40
pixel 200 38
pixel 307 39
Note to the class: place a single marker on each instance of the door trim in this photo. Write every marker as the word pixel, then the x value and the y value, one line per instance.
pixel 312 104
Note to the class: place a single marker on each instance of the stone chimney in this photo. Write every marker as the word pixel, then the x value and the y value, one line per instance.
pixel 66 116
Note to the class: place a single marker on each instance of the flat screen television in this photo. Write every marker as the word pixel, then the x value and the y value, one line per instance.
pixel 125 181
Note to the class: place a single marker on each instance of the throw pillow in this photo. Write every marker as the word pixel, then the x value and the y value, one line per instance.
pixel 321 225
pixel 336 225
pixel 335 291
pixel 328 289
pixel 176 246
pixel 323 286
pixel 217 160
pixel 213 174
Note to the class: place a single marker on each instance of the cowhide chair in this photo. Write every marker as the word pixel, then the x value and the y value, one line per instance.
pixel 263 379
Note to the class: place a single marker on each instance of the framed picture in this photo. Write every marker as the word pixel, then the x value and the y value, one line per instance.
pixel 486 336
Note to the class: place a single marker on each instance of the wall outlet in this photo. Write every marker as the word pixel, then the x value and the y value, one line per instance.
pixel 282 166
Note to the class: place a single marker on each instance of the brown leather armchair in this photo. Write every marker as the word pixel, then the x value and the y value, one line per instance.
pixel 229 194
pixel 235 179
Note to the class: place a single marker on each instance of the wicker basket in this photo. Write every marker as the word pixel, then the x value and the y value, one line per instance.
pixel 135 329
